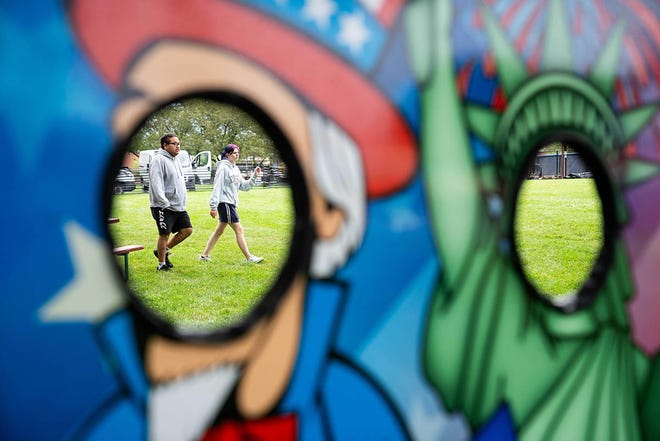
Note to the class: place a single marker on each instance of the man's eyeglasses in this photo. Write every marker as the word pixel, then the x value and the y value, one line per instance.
pixel 174 143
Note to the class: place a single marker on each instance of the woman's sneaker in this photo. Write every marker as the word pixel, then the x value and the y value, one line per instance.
pixel 203 258
pixel 255 259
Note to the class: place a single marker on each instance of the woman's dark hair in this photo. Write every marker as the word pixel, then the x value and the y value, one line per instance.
pixel 229 149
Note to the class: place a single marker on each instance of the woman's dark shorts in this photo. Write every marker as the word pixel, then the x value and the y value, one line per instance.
pixel 169 221
pixel 227 213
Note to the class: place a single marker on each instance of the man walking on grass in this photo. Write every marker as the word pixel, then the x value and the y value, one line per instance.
pixel 167 199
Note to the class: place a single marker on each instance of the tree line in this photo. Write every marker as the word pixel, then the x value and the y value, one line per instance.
pixel 204 124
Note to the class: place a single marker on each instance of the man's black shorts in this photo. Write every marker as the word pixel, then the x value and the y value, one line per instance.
pixel 227 213
pixel 169 221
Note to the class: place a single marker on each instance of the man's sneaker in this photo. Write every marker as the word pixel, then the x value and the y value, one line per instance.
pixel 167 258
pixel 162 267
pixel 255 259
pixel 204 258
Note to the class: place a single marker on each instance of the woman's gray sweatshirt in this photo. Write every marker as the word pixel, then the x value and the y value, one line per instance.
pixel 228 180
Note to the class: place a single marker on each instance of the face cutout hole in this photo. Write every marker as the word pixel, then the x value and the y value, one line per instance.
pixel 559 228
pixel 197 296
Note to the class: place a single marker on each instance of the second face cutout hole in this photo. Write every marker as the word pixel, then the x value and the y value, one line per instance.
pixel 558 221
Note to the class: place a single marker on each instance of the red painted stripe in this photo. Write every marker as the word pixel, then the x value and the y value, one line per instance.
pixel 603 15
pixel 636 59
pixel 498 102
pixel 389 12
pixel 527 28
pixel 647 17
pixel 489 67
pixel 621 94
pixel 510 14
pixel 650 22
pixel 463 78
pixel 578 20
pixel 649 55
pixel 477 19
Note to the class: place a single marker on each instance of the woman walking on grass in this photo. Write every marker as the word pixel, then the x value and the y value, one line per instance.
pixel 224 200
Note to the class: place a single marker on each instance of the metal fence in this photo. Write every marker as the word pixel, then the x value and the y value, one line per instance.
pixel 128 180
pixel 558 165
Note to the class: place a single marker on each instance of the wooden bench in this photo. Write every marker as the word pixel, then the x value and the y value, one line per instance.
pixel 125 251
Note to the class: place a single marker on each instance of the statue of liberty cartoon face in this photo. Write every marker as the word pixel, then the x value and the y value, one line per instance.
pixel 499 81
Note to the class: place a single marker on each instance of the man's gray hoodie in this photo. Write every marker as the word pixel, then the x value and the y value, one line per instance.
pixel 167 184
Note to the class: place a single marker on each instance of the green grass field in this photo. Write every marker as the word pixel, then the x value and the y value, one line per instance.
pixel 204 295
pixel 559 232
pixel 558 228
